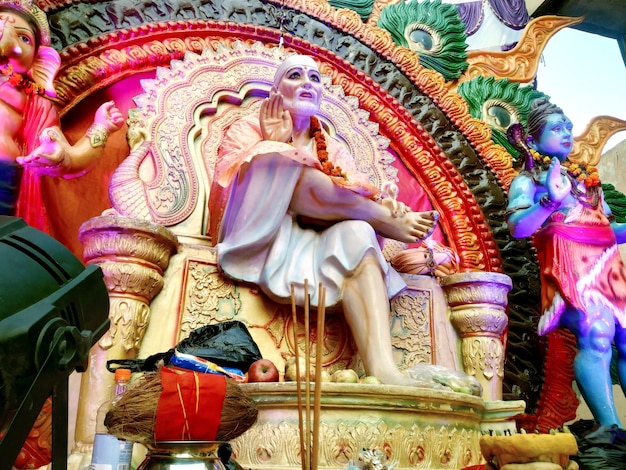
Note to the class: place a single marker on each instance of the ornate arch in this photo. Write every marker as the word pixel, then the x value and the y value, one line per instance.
pixel 475 168
pixel 98 51
pixel 449 153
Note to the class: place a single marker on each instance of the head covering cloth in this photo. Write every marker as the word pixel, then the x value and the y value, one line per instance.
pixel 290 62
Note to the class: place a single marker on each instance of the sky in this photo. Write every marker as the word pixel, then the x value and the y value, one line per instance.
pixel 585 75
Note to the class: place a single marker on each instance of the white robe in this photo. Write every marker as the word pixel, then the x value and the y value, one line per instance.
pixel 261 242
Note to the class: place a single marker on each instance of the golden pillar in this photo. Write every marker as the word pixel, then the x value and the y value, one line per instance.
pixel 133 255
pixel 477 302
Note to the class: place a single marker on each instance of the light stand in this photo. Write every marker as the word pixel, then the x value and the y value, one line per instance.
pixel 52 310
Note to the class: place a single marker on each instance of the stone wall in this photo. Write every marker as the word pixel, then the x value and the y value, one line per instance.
pixel 612 168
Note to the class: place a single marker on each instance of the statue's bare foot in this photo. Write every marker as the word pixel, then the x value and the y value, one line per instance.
pixel 410 227
pixel 395 377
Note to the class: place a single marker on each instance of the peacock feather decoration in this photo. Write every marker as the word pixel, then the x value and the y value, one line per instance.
pixel 500 103
pixel 433 30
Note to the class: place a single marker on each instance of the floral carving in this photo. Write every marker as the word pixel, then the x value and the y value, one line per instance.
pixel 411 327
pixel 413 447
pixel 207 293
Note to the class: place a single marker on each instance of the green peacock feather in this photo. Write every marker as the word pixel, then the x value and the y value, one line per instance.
pixel 362 7
pixel 616 201
pixel 499 103
pixel 433 30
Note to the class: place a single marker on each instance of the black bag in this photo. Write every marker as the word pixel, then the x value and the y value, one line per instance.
pixel 227 344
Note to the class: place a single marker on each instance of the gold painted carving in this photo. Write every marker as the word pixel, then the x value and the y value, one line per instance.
pixel 483 355
pixel 276 446
pixel 411 331
pixel 478 312
pixel 520 63
pixel 589 145
pixel 478 319
pixel 207 292
pixel 133 255
pixel 481 347
pixel 129 320
pixel 127 277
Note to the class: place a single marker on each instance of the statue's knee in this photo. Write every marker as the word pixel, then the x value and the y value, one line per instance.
pixel 600 337
pixel 358 229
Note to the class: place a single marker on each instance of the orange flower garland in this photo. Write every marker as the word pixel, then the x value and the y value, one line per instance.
pixel 20 81
pixel 322 151
pixel 580 172
pixel 587 174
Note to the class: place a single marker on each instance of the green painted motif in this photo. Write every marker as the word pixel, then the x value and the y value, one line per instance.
pixel 362 7
pixel 616 201
pixel 499 103
pixel 433 30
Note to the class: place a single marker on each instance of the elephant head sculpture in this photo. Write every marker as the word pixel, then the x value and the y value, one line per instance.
pixel 25 45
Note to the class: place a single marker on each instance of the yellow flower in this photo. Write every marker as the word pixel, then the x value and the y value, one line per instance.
pixel 579 171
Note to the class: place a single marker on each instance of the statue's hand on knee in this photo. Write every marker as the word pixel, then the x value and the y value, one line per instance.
pixel 397 208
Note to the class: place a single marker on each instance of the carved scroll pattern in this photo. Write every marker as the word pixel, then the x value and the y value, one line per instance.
pixel 415 447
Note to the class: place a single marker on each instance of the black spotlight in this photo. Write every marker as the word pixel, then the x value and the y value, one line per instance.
pixel 52 310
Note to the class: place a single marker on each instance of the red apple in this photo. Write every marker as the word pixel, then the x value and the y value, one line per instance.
pixel 263 370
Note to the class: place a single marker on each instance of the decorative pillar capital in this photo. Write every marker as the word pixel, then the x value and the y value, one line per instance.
pixel 478 302
pixel 133 255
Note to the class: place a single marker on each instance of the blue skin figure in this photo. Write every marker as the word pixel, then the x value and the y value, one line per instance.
pixel 583 277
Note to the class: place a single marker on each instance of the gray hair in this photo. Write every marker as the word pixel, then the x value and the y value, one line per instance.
pixel 540 109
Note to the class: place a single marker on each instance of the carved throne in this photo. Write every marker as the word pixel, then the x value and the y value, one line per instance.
pixel 164 281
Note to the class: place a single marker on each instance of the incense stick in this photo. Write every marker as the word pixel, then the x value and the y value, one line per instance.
pixel 321 312
pixel 307 374
pixel 309 439
pixel 294 320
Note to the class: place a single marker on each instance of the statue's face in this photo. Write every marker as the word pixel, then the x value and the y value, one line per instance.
pixel 301 88
pixel 556 139
pixel 17 42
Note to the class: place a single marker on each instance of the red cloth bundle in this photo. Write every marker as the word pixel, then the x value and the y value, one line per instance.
pixel 190 406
